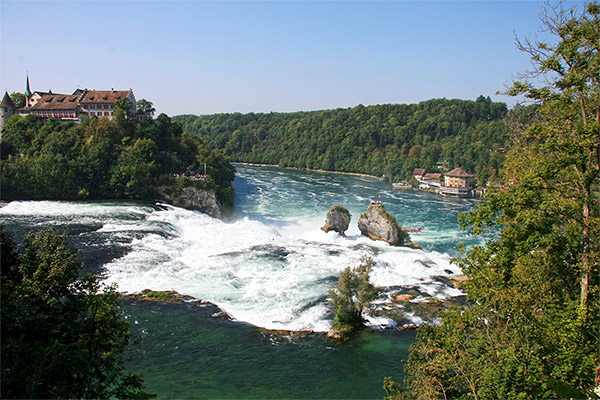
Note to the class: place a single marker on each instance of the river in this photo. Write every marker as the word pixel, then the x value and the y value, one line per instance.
pixel 271 267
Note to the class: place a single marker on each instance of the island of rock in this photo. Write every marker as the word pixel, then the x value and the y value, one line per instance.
pixel 338 220
pixel 192 198
pixel 377 224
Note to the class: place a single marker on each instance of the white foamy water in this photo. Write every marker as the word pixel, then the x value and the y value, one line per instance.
pixel 273 266
pixel 274 277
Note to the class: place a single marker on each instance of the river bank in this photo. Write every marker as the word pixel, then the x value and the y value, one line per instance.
pixel 311 170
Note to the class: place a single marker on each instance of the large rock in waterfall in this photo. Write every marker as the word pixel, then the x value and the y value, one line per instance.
pixel 338 220
pixel 192 198
pixel 377 224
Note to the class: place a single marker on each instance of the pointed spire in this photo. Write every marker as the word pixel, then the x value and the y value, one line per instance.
pixel 27 89
pixel 7 102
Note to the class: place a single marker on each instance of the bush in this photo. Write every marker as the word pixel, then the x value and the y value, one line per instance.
pixel 352 294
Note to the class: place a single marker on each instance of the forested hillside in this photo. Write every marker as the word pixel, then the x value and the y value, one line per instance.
pixel 102 159
pixel 379 140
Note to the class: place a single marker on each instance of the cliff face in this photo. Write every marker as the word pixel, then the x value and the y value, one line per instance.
pixel 338 219
pixel 377 224
pixel 192 198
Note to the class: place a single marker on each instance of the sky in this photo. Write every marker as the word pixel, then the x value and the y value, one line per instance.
pixel 206 57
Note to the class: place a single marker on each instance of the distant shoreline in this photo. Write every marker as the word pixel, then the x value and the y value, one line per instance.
pixel 310 170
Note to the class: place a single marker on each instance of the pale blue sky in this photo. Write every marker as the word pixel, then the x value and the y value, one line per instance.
pixel 205 57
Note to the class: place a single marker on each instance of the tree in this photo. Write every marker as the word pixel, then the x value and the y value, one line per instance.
pixel 568 131
pixel 62 337
pixel 352 294
pixel 146 107
pixel 123 110
pixel 19 99
pixel 531 325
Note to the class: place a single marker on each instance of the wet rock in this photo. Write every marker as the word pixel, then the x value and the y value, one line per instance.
pixel 407 327
pixel 339 336
pixel 458 280
pixel 403 298
pixel 282 333
pixel 426 263
pixel 377 224
pixel 338 220
pixel 192 198
pixel 166 296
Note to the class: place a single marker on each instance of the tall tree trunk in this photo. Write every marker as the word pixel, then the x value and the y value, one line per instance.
pixel 586 268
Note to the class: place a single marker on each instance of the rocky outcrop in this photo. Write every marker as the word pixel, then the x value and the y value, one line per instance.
pixel 338 220
pixel 193 198
pixel 377 224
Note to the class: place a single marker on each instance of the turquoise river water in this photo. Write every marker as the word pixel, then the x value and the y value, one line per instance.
pixel 271 267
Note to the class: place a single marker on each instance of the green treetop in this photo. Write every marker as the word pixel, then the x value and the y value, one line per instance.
pixel 62 337
pixel 352 294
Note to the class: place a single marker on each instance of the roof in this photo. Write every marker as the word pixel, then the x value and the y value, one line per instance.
pixel 56 102
pixel 432 175
pixel 419 171
pixel 458 173
pixel 7 101
pixel 103 96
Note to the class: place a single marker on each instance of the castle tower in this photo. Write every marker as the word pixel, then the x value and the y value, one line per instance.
pixel 7 109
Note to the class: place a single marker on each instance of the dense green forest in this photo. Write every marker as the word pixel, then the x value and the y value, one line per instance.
pixel 379 140
pixel 101 159
pixel 531 325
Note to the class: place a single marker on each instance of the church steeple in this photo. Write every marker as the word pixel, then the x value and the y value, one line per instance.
pixel 27 90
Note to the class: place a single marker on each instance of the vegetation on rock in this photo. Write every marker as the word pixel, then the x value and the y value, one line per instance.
pixel 340 209
pixel 62 337
pixel 353 293
pixel 163 296
pixel 378 224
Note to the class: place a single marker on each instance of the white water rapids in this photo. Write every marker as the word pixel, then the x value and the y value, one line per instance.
pixel 270 268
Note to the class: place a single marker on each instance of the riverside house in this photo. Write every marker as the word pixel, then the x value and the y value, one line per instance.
pixel 456 183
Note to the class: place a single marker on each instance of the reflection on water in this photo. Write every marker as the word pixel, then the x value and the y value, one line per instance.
pixel 187 353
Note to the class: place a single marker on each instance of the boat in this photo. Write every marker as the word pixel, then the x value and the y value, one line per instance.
pixel 413 229
pixel 377 202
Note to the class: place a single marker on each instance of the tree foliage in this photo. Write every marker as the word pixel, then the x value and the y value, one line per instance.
pixel 353 293
pixel 62 337
pixel 99 159
pixel 146 107
pixel 388 140
pixel 19 99
pixel 531 326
